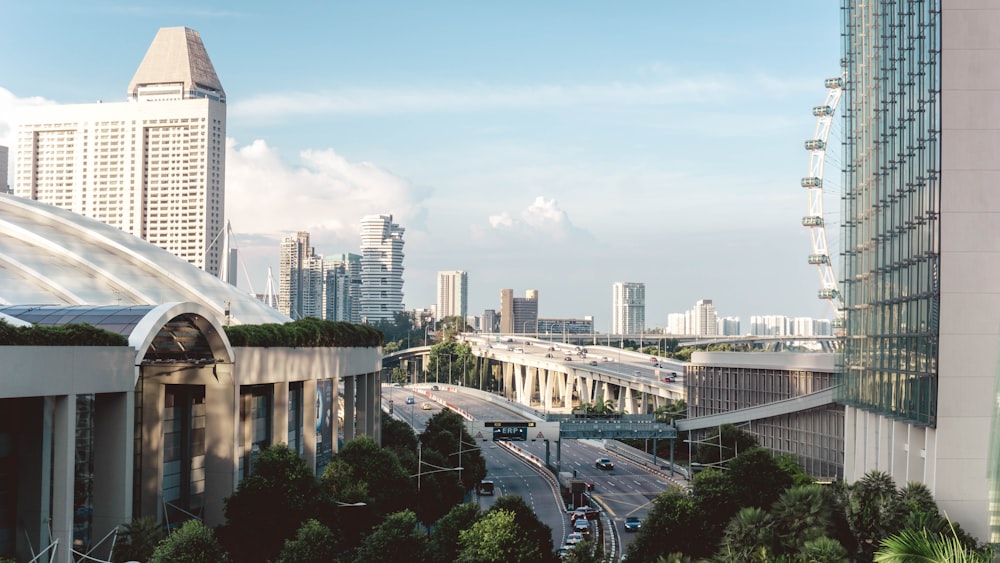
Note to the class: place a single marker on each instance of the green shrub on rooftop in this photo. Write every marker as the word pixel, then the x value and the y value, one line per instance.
pixel 306 333
pixel 81 334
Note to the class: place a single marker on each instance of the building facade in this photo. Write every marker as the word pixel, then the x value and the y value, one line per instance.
pixel 518 314
pixel 453 294
pixel 4 171
pixel 300 278
pixel 342 287
pixel 153 166
pixel 920 257
pixel 628 308
pixel 704 319
pixel 722 382
pixel 554 328
pixel 381 268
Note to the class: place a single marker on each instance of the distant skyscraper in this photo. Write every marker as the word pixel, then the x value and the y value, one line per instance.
pixel 154 166
pixel 4 162
pixel 518 314
pixel 453 294
pixel 676 323
pixel 300 280
pixel 729 326
pixel 628 309
pixel 342 287
pixel 489 322
pixel 704 318
pixel 381 268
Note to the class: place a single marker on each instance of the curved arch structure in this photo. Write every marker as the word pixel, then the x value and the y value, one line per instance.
pixel 53 256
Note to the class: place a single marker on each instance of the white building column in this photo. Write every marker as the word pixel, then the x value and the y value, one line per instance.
pixel 309 422
pixel 361 391
pixel 63 473
pixel 113 450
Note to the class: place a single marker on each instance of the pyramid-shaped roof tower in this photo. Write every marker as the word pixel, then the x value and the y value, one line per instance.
pixel 177 56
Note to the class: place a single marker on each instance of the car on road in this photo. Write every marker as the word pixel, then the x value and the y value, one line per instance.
pixel 604 463
pixel 568 358
pixel 583 526
pixel 485 487
pixel 585 512
pixel 632 523
pixel 548 355
pixel 427 406
pixel 574 538
pixel 435 388
pixel 410 401
pixel 397 385
pixel 593 363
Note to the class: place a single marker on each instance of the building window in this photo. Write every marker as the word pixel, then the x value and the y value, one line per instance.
pixel 183 451
pixel 256 417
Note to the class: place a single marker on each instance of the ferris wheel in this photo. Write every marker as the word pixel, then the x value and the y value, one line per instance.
pixel 813 182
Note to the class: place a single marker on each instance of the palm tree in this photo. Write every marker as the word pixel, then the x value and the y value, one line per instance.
pixel 802 514
pixel 927 547
pixel 746 534
pixel 671 411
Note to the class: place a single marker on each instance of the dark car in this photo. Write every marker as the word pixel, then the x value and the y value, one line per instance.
pixel 585 512
pixel 604 463
pixel 582 525
pixel 632 523
pixel 568 358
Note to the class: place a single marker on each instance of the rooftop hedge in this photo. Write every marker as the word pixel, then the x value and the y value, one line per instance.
pixel 306 333
pixel 81 334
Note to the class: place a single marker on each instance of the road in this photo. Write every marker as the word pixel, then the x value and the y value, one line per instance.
pixel 626 490
pixel 510 473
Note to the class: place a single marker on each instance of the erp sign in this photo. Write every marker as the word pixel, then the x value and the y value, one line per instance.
pixel 510 431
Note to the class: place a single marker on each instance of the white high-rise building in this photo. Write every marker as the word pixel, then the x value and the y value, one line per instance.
pixel 704 319
pixel 677 323
pixel 729 326
pixel 381 268
pixel 300 280
pixel 628 309
pixel 453 294
pixel 153 166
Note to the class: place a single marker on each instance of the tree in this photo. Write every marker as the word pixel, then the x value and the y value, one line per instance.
pixel 758 478
pixel 535 536
pixel 922 545
pixel 715 496
pixel 671 526
pixel 138 540
pixel 443 432
pixel 444 547
pixel 823 550
pixel 724 443
pixel 269 505
pixel 452 362
pixel 802 514
pixel 192 543
pixel 363 466
pixel 313 543
pixel 499 537
pixel 747 532
pixel 873 512
pixel 392 540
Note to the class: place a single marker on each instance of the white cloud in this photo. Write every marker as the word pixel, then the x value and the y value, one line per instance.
pixel 10 106
pixel 543 218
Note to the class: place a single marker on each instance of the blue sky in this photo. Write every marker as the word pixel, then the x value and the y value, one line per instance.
pixel 558 146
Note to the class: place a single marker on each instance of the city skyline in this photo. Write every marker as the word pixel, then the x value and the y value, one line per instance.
pixel 558 161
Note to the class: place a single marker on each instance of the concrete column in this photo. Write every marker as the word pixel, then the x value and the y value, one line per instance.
pixel 309 422
pixel 63 474
pixel 222 424
pixel 375 406
pixel 279 424
pixel 113 449
pixel 361 406
pixel 349 409
pixel 34 472
pixel 152 439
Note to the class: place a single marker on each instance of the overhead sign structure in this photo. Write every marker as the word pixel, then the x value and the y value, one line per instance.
pixel 514 431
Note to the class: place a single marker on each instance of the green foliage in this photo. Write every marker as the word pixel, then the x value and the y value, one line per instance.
pixel 715 495
pixel 269 505
pixel 364 466
pixel 535 536
pixel 398 437
pixel 137 540
pixel 802 514
pixel 747 532
pixel 81 334
pixel 313 543
pixel 305 333
pixel 672 525
pixel 761 480
pixel 192 543
pixel 442 434
pixel 823 550
pixel 925 546
pixel 790 466
pixel 501 537
pixel 395 539
pixel 452 362
pixel 443 547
